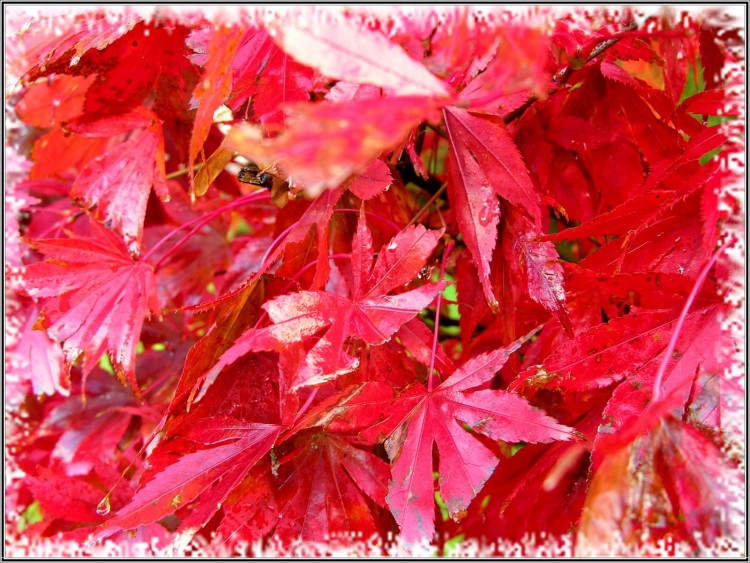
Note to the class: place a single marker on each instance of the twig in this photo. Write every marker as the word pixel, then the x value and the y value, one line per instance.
pixel 562 75
pixel 182 172
pixel 424 208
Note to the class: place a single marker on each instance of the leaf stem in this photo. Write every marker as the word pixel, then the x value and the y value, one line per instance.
pixel 201 221
pixel 385 220
pixel 437 130
pixel 274 244
pixel 430 201
pixel 313 263
pixel 307 404
pixel 656 393
pixel 66 219
pixel 182 172
pixel 446 253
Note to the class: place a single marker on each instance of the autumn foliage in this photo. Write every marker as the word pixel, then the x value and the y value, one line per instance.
pixel 375 281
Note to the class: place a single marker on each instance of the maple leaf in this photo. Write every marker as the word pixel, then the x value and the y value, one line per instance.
pixel 619 294
pixel 35 356
pixel 657 98
pixel 269 76
pixel 60 155
pixel 229 323
pixel 459 49
pixel 559 173
pixel 484 162
pixel 97 298
pixel 672 481
pixel 681 252
pixel 441 417
pixel 193 474
pixel 369 314
pixel 250 510
pixel 66 497
pixel 497 156
pixel 604 354
pixel 634 409
pixel 270 409
pixel 315 39
pixel 628 216
pixel 215 85
pixel 119 181
pixel 124 73
pixel 53 102
pixel 477 213
pixel 127 70
pixel 712 102
pixel 512 71
pixel 91 32
pixel 322 485
pixel 325 143
pixel 551 478
pixel 373 181
pixel 90 431
pixel 417 338
pixel 536 264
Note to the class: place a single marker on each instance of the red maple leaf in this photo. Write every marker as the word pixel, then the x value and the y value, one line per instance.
pixel 369 313
pixel 214 86
pixel 35 356
pixel 315 40
pixel 664 483
pixel 237 446
pixel 444 417
pixel 323 483
pixel 97 297
pixel 310 376
pixel 269 76
pixel 485 163
pixel 325 143
pixel 119 181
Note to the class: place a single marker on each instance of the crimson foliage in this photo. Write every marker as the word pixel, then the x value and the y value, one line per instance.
pixel 364 274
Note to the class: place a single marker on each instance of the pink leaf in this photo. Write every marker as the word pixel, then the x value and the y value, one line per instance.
pixel 118 183
pixel 351 52
pixel 465 463
pixel 477 212
pixel 98 298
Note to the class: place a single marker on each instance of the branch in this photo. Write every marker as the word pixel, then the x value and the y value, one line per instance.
pixel 562 76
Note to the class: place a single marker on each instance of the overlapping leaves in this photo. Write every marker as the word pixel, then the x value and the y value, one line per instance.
pixel 323 376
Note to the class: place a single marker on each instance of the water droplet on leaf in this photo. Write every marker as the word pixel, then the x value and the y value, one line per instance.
pixel 485 215
pixel 103 507
pixel 392 245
